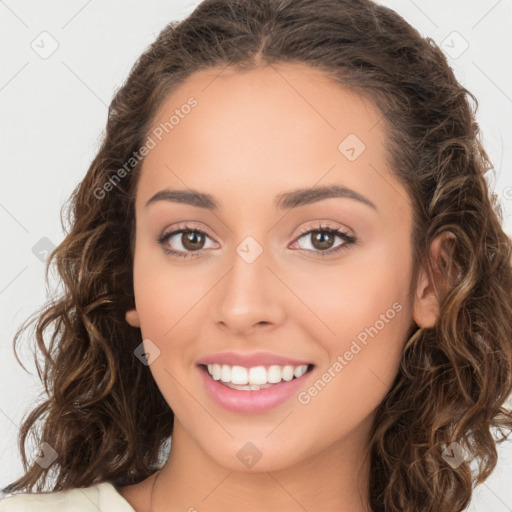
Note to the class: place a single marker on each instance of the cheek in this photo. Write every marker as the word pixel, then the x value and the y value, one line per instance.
pixel 362 312
pixel 369 287
pixel 165 293
pixel 170 300
pixel 363 354
pixel 165 299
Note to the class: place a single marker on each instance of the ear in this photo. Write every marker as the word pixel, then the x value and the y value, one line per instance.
pixel 132 317
pixel 429 287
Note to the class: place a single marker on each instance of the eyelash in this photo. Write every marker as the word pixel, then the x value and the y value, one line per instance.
pixel 348 239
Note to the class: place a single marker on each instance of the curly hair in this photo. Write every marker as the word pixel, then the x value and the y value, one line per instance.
pixel 105 415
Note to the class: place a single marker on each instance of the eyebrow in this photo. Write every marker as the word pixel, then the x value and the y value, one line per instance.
pixel 285 201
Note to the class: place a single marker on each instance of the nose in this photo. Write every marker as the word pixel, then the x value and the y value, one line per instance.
pixel 250 297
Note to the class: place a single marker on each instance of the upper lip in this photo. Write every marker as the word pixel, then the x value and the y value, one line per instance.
pixel 250 360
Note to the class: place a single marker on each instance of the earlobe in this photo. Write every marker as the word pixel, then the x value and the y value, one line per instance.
pixel 427 300
pixel 132 317
pixel 426 305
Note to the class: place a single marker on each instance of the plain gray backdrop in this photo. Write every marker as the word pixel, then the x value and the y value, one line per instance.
pixel 60 65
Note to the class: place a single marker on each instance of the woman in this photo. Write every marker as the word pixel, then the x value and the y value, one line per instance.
pixel 285 260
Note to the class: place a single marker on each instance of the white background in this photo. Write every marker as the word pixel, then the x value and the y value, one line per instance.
pixel 53 112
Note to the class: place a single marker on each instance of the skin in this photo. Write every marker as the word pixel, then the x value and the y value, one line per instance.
pixel 252 136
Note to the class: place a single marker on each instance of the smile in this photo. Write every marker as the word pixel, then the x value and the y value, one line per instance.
pixel 252 389
pixel 256 377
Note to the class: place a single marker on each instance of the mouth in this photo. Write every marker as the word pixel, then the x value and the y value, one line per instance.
pixel 253 389
pixel 256 377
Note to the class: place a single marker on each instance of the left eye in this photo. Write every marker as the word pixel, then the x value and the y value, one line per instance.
pixel 322 239
pixel 192 240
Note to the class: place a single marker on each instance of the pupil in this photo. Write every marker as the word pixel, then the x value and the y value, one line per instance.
pixel 324 239
pixel 192 238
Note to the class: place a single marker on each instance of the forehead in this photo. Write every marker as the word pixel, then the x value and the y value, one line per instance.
pixel 270 127
pixel 285 100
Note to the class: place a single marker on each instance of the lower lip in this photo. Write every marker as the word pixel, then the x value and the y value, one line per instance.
pixel 251 401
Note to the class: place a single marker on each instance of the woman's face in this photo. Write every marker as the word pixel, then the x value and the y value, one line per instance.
pixel 260 288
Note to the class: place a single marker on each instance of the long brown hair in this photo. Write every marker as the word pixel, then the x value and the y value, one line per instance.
pixel 104 415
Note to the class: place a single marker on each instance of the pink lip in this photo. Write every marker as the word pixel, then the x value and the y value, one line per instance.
pixel 251 401
pixel 250 360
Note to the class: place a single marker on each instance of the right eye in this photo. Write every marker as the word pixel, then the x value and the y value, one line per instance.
pixel 187 237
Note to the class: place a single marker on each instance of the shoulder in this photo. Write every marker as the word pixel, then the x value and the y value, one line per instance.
pixel 102 496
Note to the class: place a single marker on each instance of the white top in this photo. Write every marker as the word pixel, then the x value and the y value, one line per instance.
pixel 103 496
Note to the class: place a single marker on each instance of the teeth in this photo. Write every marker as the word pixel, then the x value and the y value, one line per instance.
pixel 288 373
pixel 274 374
pixel 238 375
pixel 257 376
pixel 225 373
pixel 253 378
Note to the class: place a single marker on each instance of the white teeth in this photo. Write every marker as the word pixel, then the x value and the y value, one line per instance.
pixel 274 374
pixel 300 371
pixel 239 375
pixel 225 373
pixel 253 378
pixel 257 375
pixel 249 387
pixel 288 373
pixel 216 371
